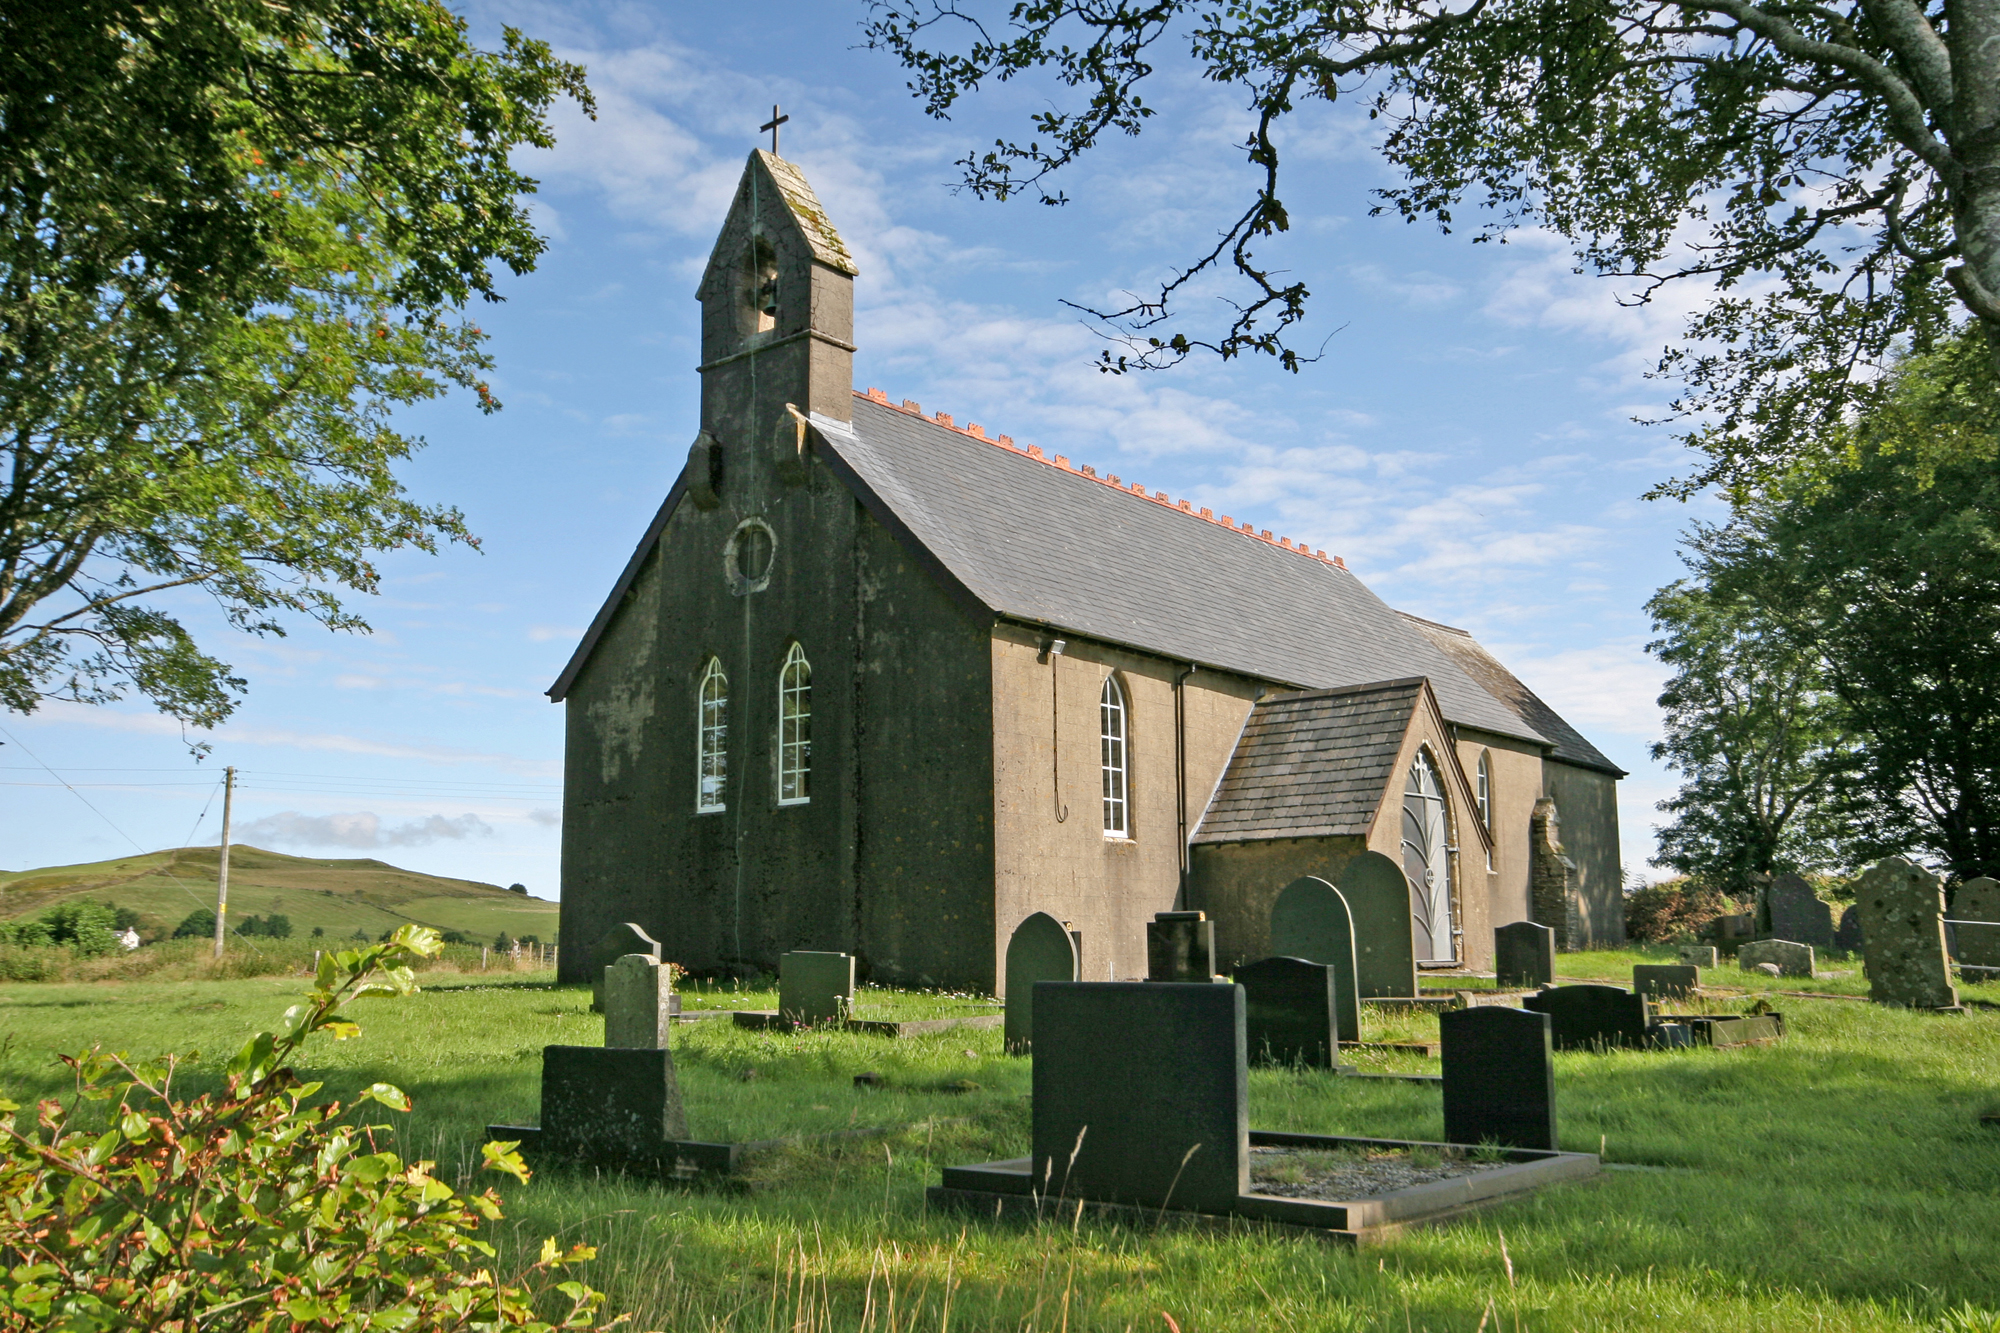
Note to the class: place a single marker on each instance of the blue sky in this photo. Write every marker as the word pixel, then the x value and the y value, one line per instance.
pixel 1465 442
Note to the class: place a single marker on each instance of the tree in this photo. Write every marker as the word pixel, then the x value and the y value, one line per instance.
pixel 196 925
pixel 1758 738
pixel 1885 565
pixel 234 236
pixel 1833 169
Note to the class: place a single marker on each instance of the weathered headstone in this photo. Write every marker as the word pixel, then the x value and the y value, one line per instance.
pixel 1976 944
pixel 1140 1093
pixel 1041 949
pixel 623 938
pixel 1589 1018
pixel 1792 911
pixel 1700 955
pixel 1290 1013
pixel 1385 954
pixel 1658 981
pixel 609 1104
pixel 1180 946
pixel 638 1002
pixel 1311 920
pixel 1729 932
pixel 1791 958
pixel 1902 929
pixel 1524 954
pixel 1977 900
pixel 1499 1077
pixel 1848 935
pixel 815 987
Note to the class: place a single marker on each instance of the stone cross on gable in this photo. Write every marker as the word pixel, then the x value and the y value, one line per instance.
pixel 772 125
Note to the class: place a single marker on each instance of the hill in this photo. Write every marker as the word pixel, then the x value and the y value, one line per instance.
pixel 338 895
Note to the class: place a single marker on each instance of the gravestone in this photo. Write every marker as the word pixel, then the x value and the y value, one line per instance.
pixel 1590 1018
pixel 1041 949
pixel 1700 955
pixel 1665 980
pixel 1290 1012
pixel 1499 1077
pixel 1729 932
pixel 1902 932
pixel 1140 1093
pixel 1976 944
pixel 1385 954
pixel 609 1104
pixel 638 1002
pixel 1977 900
pixel 1180 946
pixel 1791 958
pixel 815 987
pixel 1792 911
pixel 623 938
pixel 1310 920
pixel 1851 929
pixel 1524 954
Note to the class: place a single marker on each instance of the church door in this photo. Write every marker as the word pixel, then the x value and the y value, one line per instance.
pixel 1427 862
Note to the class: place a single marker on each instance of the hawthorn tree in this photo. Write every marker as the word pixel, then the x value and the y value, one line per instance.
pixel 235 235
pixel 1832 167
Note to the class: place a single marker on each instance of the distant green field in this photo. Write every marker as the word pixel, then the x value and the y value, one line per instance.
pixel 338 895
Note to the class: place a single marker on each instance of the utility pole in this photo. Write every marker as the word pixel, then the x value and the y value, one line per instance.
pixel 222 864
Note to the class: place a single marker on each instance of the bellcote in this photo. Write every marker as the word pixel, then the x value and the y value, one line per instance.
pixel 777 306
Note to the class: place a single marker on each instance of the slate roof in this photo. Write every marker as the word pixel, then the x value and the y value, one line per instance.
pixel 1038 540
pixel 1504 685
pixel 1311 765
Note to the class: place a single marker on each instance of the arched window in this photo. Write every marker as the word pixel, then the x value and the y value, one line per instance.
pixel 712 723
pixel 795 684
pixel 1484 789
pixel 1111 727
pixel 1427 862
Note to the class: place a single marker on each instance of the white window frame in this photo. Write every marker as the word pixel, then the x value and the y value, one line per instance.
pixel 711 722
pixel 1114 734
pixel 1484 789
pixel 795 728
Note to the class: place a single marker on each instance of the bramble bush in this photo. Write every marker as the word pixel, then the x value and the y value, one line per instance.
pixel 1671 910
pixel 255 1209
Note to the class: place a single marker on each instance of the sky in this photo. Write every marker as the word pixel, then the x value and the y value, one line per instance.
pixel 1465 440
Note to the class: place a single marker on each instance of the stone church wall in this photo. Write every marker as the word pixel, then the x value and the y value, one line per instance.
pixel 1107 888
pixel 1588 802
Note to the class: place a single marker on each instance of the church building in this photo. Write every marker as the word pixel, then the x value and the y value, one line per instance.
pixel 881 682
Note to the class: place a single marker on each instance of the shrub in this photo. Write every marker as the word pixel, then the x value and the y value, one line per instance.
pixel 253 1209
pixel 517 888
pixel 276 926
pixel 87 929
pixel 1670 910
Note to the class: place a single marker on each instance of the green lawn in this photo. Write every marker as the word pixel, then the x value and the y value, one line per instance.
pixel 1837 1181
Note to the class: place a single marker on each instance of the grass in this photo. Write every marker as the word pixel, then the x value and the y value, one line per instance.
pixel 1839 1180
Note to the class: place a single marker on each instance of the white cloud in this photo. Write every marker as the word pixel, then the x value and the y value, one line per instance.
pixel 359 831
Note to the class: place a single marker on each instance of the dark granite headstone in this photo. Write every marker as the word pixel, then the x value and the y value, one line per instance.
pixel 1792 911
pixel 1524 954
pixel 1041 949
pixel 1659 981
pixel 1499 1077
pixel 815 987
pixel 1290 1012
pixel 1180 946
pixel 1385 955
pixel 1848 937
pixel 1140 1093
pixel 1310 920
pixel 1589 1018
pixel 609 1104
pixel 623 938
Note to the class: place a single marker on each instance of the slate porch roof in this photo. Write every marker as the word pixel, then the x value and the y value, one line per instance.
pixel 1504 685
pixel 1311 765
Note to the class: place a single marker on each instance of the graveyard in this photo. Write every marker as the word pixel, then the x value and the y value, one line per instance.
pixel 1852 1147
